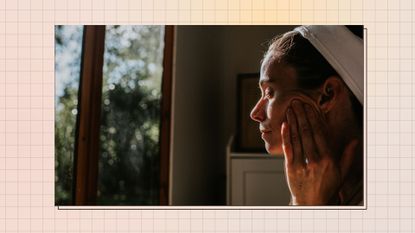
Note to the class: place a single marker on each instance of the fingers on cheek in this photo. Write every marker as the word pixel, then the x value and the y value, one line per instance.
pixel 286 141
pixel 308 101
pixel 314 114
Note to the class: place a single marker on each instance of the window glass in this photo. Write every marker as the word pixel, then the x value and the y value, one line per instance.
pixel 68 48
pixel 129 167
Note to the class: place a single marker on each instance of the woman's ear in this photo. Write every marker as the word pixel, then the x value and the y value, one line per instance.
pixel 330 91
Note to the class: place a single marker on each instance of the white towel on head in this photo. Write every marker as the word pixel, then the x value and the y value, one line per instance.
pixel 343 50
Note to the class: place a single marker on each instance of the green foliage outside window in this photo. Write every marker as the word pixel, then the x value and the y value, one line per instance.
pixel 130 118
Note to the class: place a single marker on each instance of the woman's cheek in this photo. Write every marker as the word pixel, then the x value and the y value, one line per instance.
pixel 277 112
pixel 272 108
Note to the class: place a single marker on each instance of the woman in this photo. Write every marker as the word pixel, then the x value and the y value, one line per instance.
pixel 311 110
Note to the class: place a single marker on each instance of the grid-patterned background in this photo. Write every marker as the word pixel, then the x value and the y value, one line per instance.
pixel 27 120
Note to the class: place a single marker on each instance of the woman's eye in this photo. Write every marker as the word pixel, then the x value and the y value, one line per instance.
pixel 268 93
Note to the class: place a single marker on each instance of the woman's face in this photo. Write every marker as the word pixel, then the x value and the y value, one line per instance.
pixel 278 88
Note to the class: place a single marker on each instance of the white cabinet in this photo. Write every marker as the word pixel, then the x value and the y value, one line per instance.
pixel 256 180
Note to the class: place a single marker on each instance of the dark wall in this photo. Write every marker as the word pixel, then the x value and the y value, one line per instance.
pixel 208 60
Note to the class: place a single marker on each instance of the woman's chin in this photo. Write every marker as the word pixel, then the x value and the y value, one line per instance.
pixel 273 149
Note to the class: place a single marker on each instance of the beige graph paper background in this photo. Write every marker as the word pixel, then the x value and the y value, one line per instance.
pixel 27 114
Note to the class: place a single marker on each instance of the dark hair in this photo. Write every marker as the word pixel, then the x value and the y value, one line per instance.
pixel 311 67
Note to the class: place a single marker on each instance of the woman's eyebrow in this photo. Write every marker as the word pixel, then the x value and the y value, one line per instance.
pixel 266 80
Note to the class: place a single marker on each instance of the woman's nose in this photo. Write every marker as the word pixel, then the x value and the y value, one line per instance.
pixel 258 113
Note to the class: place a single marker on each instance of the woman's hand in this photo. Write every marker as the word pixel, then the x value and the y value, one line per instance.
pixel 314 174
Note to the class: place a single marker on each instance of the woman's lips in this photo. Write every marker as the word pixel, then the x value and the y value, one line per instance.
pixel 264 133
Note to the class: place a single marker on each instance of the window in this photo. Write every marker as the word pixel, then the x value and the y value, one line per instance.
pixel 122 137
pixel 68 48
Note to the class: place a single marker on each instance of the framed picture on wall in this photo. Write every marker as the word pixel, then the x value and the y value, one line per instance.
pixel 248 138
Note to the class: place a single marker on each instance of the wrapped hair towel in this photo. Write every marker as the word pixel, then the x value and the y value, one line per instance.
pixel 343 50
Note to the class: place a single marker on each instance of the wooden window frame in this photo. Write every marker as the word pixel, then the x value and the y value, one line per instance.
pixel 165 125
pixel 86 155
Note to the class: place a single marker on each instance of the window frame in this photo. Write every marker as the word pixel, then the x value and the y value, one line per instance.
pixel 86 154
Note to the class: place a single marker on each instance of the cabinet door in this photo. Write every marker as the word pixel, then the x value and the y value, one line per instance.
pixel 258 182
